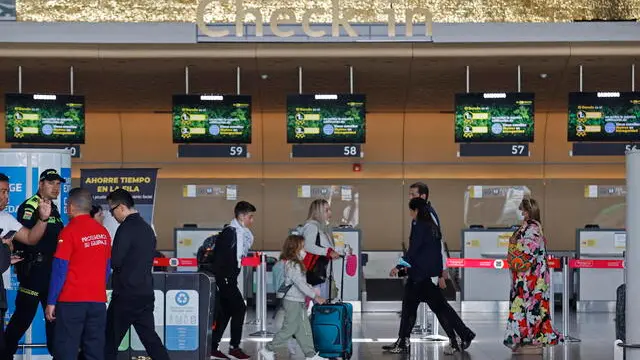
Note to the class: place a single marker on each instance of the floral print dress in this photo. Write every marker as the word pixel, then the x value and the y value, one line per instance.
pixel 529 322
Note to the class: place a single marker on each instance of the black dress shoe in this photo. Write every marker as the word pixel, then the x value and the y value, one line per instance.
pixel 402 346
pixel 391 346
pixel 466 342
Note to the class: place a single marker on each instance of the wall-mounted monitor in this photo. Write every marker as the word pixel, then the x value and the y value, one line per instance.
pixel 44 118
pixel 323 119
pixel 604 116
pixel 212 119
pixel 494 117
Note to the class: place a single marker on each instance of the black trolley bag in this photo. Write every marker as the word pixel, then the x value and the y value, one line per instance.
pixel 331 324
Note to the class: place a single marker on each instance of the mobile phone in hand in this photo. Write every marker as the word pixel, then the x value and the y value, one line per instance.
pixel 9 235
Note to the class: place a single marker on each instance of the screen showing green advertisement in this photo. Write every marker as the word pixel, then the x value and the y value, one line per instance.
pixel 604 116
pixel 39 118
pixel 494 117
pixel 326 119
pixel 212 119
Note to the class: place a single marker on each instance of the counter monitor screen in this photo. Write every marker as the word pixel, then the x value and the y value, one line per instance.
pixel 44 118
pixel 221 119
pixel 494 117
pixel 338 119
pixel 604 116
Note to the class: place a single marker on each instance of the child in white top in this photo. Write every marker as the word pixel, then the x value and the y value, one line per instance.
pixel 296 323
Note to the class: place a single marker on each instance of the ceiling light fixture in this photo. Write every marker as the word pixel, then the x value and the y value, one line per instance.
pixel 326 97
pixel 610 94
pixel 494 95
pixel 211 97
pixel 44 97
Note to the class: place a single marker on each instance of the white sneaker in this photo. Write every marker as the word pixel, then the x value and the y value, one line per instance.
pixel 267 355
pixel 316 357
pixel 292 345
pixel 450 350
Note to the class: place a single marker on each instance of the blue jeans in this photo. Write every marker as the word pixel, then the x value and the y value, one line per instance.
pixel 80 325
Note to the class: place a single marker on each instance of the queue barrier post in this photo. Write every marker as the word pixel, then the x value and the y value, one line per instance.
pixel 580 264
pixel 261 299
pixel 552 264
pixel 565 302
pixel 421 327
pixel 435 330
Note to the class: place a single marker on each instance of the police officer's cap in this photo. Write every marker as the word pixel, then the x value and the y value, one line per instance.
pixel 51 175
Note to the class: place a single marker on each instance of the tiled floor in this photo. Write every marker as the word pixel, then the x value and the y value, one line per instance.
pixel 371 331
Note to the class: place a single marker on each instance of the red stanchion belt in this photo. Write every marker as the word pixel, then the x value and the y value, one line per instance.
pixel 553 263
pixel 476 263
pixel 596 264
pixel 175 262
pixel 251 261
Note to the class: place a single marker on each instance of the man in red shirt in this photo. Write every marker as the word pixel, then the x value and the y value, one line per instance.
pixel 77 292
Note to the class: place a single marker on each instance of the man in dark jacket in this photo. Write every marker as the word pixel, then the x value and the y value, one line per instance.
pixel 232 244
pixel 423 265
pixel 132 299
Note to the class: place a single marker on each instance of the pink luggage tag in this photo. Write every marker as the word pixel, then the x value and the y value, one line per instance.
pixel 352 265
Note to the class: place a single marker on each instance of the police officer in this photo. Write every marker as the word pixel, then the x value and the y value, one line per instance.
pixel 34 271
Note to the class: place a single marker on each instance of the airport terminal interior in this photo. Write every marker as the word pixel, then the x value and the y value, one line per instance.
pixel 194 105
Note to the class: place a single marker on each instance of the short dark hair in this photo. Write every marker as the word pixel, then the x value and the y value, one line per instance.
pixel 81 198
pixel 94 210
pixel 243 207
pixel 121 197
pixel 423 189
pixel 4 177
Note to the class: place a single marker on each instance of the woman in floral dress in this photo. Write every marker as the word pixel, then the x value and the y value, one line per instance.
pixel 529 326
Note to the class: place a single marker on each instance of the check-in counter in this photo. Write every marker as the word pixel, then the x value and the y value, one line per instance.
pixel 485 289
pixel 597 287
pixel 183 314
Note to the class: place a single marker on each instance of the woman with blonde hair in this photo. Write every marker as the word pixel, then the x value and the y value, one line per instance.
pixel 319 246
pixel 529 326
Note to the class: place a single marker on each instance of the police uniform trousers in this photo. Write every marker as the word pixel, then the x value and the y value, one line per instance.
pixel 34 289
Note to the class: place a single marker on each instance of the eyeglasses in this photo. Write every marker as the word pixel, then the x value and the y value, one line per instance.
pixel 111 210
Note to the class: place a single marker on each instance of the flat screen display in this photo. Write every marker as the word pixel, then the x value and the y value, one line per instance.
pixel 326 119
pixel 494 117
pixel 604 116
pixel 40 118
pixel 221 119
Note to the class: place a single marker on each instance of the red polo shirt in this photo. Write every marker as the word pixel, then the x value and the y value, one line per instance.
pixel 86 246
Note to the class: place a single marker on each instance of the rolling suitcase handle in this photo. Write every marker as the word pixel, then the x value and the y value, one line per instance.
pixel 331 280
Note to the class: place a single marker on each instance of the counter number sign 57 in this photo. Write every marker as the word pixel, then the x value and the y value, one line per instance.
pixel 517 149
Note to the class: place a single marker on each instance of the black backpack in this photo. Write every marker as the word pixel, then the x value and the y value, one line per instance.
pixel 205 254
